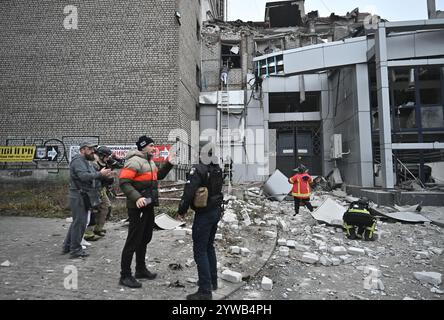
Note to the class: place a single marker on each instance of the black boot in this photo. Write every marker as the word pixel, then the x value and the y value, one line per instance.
pixel 145 274
pixel 130 282
pixel 200 296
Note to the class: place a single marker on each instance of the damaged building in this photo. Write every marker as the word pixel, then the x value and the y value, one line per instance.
pixel 353 93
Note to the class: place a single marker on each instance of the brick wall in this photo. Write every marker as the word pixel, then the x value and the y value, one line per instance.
pixel 115 77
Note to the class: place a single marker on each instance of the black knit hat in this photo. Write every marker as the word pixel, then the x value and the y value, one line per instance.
pixel 143 142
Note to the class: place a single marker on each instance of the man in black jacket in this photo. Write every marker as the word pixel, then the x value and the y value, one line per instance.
pixel 208 175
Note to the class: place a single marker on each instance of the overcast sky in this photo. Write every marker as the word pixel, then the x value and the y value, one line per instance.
pixel 391 10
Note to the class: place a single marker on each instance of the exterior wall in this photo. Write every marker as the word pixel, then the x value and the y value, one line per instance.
pixel 351 115
pixel 115 77
pixel 188 59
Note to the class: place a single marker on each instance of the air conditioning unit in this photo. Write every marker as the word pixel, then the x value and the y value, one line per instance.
pixel 336 146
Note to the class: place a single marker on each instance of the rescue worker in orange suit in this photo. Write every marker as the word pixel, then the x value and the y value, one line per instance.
pixel 358 222
pixel 301 188
pixel 138 181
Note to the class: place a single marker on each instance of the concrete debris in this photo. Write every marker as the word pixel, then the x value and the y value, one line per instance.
pixel 356 251
pixel 229 216
pixel 235 250
pixel 335 261
pixel 6 263
pixel 405 216
pixel 413 208
pixel 267 283
pixel 346 258
pixel 246 218
pixel 291 243
pixel 284 251
pixel 436 290
pixel 330 212
pixel 218 236
pixel 338 250
pixel 192 280
pixel 277 186
pixel 231 276
pixel 282 242
pixel 301 247
pixel 245 252
pixel 271 234
pixel 190 263
pixel 437 251
pixel 165 222
pixel 373 271
pixel 69 219
pixel 433 278
pixel 309 257
pixel 325 261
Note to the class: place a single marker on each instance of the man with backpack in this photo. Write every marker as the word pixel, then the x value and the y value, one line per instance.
pixel 203 193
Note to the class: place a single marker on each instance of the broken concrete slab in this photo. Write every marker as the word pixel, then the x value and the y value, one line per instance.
pixel 329 212
pixel 403 216
pixel 338 250
pixel 284 251
pixel 433 278
pixel 231 276
pixel 309 257
pixel 356 251
pixel 165 222
pixel 277 186
pixel 413 208
pixel 267 283
pixel 6 263
pixel 271 234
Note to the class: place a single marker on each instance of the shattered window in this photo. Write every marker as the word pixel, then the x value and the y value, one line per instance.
pixel 284 102
pixel 231 55
pixel 270 65
pixel 416 96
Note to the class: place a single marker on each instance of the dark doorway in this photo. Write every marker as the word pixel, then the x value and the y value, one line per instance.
pixel 298 145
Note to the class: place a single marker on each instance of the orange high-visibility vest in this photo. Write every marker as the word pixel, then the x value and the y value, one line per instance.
pixel 301 188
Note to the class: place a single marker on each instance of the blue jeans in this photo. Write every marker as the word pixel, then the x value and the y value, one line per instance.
pixel 204 231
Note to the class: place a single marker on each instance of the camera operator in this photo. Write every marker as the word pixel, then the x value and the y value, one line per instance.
pixel 83 178
pixel 103 158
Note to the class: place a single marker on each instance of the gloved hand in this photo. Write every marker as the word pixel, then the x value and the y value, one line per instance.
pixel 305 178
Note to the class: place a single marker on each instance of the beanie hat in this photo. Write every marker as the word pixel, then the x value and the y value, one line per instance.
pixel 143 142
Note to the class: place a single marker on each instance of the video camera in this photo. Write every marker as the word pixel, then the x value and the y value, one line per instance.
pixel 115 163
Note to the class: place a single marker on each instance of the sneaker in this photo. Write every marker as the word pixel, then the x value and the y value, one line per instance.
pixel 130 282
pixel 79 254
pixel 65 250
pixel 200 296
pixel 145 274
pixel 85 243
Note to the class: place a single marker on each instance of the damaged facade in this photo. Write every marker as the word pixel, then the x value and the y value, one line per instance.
pixel 322 84
pixel 125 69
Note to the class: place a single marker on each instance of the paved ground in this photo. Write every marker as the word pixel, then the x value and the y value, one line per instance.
pixel 36 271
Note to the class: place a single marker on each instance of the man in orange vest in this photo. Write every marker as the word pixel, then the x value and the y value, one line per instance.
pixel 301 188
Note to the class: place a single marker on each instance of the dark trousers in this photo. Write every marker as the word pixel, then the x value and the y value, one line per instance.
pixel 204 231
pixel 140 232
pixel 304 202
pixel 79 219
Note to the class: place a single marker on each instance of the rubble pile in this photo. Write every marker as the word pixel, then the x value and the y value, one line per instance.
pixel 314 260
